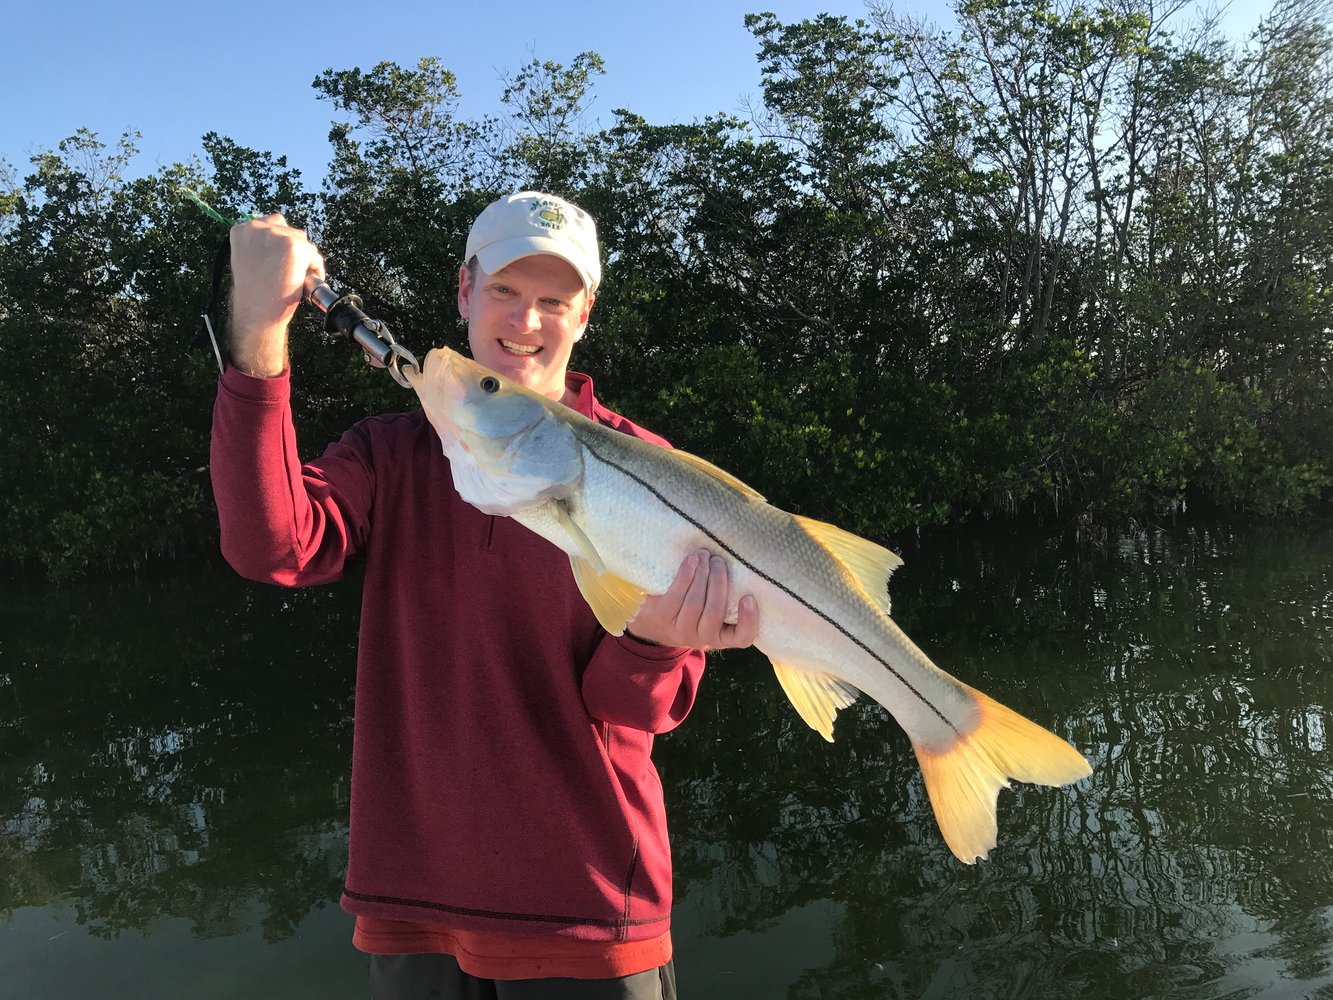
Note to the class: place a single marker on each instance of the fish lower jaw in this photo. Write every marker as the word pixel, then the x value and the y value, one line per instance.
pixel 519 350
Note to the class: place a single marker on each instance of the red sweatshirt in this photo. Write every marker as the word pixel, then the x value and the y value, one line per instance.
pixel 501 778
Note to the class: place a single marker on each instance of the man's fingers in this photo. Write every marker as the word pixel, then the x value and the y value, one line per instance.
pixel 692 606
pixel 270 261
pixel 693 610
pixel 714 610
pixel 746 629
pixel 684 577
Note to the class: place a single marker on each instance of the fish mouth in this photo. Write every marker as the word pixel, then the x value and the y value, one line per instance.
pixel 519 350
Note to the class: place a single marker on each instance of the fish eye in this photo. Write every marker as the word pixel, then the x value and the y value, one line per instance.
pixel 490 384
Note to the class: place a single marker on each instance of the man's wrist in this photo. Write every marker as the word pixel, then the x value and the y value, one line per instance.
pixel 262 355
pixel 255 371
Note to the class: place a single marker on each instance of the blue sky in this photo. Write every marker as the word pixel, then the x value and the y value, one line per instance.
pixel 174 71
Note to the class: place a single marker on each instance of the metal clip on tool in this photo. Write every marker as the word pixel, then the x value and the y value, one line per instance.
pixel 344 314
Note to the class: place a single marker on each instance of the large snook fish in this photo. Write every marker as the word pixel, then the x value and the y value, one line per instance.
pixel 628 512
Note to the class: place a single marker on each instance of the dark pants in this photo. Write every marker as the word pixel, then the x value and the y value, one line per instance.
pixel 438 977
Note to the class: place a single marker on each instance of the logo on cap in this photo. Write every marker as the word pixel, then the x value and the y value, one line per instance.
pixel 547 214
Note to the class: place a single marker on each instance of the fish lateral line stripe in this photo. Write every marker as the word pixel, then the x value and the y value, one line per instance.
pixel 777 583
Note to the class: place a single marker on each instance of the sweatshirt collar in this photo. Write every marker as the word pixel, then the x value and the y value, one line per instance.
pixel 584 400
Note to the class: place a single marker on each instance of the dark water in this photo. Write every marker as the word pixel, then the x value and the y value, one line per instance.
pixel 173 789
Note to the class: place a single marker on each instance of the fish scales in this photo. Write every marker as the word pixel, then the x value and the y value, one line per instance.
pixel 628 512
pixel 803 592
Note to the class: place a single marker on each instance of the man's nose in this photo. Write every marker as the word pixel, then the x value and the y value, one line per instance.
pixel 526 316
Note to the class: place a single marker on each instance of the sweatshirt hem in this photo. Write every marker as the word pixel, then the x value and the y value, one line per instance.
pixel 608 923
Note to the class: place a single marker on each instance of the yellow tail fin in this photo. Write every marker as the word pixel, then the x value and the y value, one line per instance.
pixel 964 780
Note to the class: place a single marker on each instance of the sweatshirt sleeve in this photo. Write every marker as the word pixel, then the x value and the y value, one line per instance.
pixel 641 686
pixel 280 522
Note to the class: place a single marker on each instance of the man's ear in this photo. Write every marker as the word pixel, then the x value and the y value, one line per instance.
pixel 464 291
pixel 583 320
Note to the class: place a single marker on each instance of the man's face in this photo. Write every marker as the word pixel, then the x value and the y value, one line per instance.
pixel 524 319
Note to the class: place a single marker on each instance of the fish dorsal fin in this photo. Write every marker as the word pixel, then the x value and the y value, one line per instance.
pixel 870 564
pixel 722 475
pixel 816 696
pixel 614 601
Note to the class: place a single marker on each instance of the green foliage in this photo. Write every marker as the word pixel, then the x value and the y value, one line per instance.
pixel 1060 263
pixel 105 455
pixel 547 103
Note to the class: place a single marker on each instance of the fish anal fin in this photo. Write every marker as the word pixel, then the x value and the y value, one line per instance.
pixel 964 780
pixel 870 564
pixel 722 475
pixel 613 600
pixel 816 696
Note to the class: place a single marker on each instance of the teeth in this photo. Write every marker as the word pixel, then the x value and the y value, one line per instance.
pixel 509 345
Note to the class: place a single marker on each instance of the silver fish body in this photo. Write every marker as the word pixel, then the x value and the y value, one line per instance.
pixel 645 515
pixel 628 512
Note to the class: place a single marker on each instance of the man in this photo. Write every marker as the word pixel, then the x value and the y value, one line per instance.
pixel 508 835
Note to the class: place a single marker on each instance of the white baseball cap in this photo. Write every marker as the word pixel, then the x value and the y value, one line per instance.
pixel 530 222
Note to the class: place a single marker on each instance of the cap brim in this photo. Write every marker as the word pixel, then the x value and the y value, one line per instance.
pixel 502 253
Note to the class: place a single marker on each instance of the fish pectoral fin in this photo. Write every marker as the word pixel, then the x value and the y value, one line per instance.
pixel 816 696
pixel 613 600
pixel 964 779
pixel 581 540
pixel 871 565
pixel 722 475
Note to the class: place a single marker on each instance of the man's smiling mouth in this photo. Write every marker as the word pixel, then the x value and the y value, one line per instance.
pixel 522 349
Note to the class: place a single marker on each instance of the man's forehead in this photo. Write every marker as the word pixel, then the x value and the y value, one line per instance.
pixel 545 265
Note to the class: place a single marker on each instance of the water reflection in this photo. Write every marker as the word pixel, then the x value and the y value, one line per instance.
pixel 176 752
pixel 1191 665
pixel 175 748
